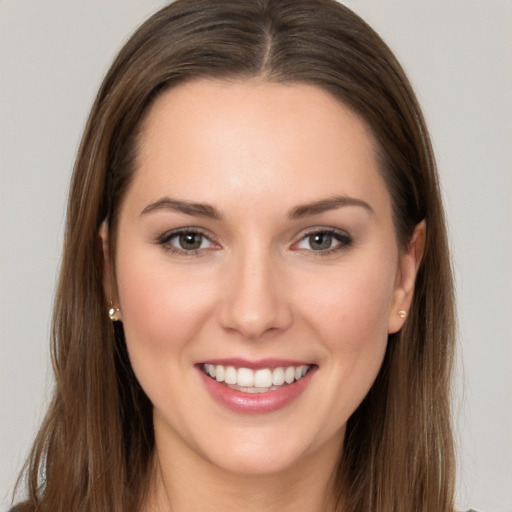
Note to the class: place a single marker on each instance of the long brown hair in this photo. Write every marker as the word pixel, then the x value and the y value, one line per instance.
pixel 94 449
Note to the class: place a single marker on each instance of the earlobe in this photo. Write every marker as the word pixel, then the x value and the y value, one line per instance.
pixel 406 278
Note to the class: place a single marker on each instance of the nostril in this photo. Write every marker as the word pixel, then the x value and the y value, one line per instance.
pixel 253 324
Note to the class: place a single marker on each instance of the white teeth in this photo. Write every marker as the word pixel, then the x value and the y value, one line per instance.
pixel 289 375
pixel 254 381
pixel 230 375
pixel 219 373
pixel 245 378
pixel 278 377
pixel 263 378
pixel 210 370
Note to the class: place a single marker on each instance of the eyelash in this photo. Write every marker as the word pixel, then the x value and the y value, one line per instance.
pixel 343 238
pixel 165 239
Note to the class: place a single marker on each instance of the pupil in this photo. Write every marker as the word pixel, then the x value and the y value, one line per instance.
pixel 320 241
pixel 190 241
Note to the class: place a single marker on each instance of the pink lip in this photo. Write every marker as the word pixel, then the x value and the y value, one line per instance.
pixel 256 365
pixel 255 403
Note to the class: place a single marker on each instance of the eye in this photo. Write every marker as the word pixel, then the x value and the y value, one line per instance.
pixel 189 241
pixel 324 241
pixel 186 241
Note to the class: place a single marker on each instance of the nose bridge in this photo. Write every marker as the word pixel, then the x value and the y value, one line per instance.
pixel 255 302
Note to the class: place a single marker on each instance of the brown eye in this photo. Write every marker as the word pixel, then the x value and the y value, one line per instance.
pixel 190 241
pixel 186 242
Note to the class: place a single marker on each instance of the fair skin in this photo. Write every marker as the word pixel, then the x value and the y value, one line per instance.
pixel 287 257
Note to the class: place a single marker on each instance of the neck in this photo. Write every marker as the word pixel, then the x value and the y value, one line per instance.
pixel 184 482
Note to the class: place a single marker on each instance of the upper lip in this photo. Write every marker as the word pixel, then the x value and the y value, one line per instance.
pixel 256 365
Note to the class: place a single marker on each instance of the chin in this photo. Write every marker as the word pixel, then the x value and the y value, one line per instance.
pixel 256 453
pixel 265 462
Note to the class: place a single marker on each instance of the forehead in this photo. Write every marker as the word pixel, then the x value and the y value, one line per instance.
pixel 211 140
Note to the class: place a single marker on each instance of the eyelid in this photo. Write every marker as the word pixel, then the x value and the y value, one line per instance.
pixel 164 239
pixel 344 238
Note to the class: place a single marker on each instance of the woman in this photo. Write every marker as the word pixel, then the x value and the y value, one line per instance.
pixel 255 205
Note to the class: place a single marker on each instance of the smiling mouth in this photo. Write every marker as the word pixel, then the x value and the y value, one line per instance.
pixel 255 381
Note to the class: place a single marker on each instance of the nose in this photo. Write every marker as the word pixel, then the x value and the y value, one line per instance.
pixel 255 300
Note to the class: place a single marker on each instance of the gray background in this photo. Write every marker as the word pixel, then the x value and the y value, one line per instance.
pixel 458 54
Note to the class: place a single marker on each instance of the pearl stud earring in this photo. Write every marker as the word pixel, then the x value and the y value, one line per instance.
pixel 402 313
pixel 112 312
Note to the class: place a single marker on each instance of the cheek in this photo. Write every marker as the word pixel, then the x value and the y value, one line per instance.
pixel 358 338
pixel 162 312
pixel 349 316
pixel 352 303
pixel 345 310
pixel 161 307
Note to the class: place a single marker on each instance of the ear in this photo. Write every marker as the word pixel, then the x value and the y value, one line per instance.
pixel 406 277
pixel 108 273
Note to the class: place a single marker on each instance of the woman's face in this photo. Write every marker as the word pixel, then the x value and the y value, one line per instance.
pixel 256 247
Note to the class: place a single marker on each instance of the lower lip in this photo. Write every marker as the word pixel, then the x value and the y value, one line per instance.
pixel 255 403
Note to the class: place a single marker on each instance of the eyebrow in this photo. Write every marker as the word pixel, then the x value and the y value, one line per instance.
pixel 189 208
pixel 206 210
pixel 324 205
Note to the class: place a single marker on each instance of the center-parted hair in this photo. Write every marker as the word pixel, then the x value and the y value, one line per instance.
pixel 95 448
